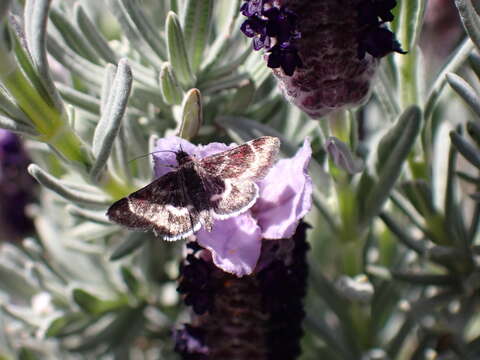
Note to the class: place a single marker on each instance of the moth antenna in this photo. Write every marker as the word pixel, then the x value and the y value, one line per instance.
pixel 150 153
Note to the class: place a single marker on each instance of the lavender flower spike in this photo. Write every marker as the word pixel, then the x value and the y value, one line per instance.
pixel 324 53
pixel 283 201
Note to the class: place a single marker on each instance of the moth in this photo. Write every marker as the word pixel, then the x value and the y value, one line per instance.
pixel 198 191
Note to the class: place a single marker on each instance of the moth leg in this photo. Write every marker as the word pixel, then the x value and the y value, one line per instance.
pixel 206 219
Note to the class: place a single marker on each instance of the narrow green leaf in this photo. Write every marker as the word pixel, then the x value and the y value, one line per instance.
pixel 67 325
pixel 228 33
pixel 470 153
pixel 134 29
pixel 465 91
pixel 474 131
pixel 411 21
pixel 192 114
pixel 171 90
pixel 425 279
pixel 63 190
pixel 177 53
pixel 145 27
pixel 419 193
pixel 125 326
pixel 455 223
pixel 36 16
pixel 133 242
pixel 75 63
pixel 79 99
pixel 451 65
pixel 197 23
pixel 130 280
pixel 92 35
pixel 17 127
pixel 27 354
pixel 242 99
pixel 75 40
pixel 470 19
pixel 109 125
pixel 94 305
pixel 402 235
pixel 392 153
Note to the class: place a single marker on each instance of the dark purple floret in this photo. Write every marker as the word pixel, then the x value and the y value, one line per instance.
pixel 197 284
pixel 276 22
pixel 16 187
pixel 375 38
pixel 370 11
pixel 285 57
pixel 190 343
pixel 254 26
pixel 252 7
pixel 378 42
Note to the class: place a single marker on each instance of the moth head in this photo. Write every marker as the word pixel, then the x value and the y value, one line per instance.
pixel 183 157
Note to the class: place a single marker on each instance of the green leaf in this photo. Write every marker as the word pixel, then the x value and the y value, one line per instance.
pixel 420 196
pixel 425 279
pixel 92 35
pixel 402 235
pixel 465 91
pixel 470 20
pixel 72 37
pixel 451 65
pixel 468 151
pixel 410 22
pixel 36 16
pixel 392 152
pixel 67 325
pixel 94 305
pixel 242 99
pixel 64 190
pixel 133 284
pixel 110 123
pixel 133 242
pixel 171 90
pixel 145 28
pixel 124 329
pixel 474 131
pixel 26 354
pixel 177 53
pixel 192 114
pixel 135 28
pixel 197 24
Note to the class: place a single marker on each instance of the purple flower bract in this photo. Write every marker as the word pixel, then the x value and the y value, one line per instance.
pixel 235 243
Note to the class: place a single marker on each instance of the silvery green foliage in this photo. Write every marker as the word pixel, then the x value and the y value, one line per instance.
pixel 394 265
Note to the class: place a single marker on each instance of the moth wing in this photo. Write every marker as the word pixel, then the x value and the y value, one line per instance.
pixel 161 206
pixel 251 160
pixel 237 197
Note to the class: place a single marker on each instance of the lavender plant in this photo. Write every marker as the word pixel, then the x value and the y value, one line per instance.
pixel 363 242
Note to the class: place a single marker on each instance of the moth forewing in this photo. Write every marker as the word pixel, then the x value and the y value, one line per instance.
pixel 219 186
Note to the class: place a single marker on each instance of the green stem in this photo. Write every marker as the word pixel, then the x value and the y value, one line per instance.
pixel 48 121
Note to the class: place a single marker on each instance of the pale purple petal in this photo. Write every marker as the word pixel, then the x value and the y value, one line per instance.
pixel 234 243
pixel 285 195
pixel 205 150
pixel 163 160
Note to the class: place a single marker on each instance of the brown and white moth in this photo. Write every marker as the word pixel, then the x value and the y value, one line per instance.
pixel 198 191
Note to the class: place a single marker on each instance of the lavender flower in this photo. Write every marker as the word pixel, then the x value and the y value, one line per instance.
pixel 253 317
pixel 15 187
pixel 283 201
pixel 323 52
